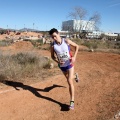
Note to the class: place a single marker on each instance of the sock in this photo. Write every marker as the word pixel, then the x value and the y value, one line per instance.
pixel 71 102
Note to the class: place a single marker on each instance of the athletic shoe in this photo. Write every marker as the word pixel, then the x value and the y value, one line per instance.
pixel 71 105
pixel 76 77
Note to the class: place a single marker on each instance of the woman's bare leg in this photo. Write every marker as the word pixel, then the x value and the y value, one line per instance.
pixel 70 76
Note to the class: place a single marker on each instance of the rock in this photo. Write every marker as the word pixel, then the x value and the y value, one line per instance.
pixel 91 50
pixel 51 65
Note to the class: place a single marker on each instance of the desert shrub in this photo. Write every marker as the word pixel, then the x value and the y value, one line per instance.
pixel 118 38
pixel 90 44
pixel 77 40
pixel 36 43
pixel 3 32
pixel 21 65
pixel 98 44
pixel 117 45
pixel 47 66
pixel 86 43
pixel 5 42
pixel 25 58
pixel 108 44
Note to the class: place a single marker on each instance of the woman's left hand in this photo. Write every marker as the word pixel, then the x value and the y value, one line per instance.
pixel 72 59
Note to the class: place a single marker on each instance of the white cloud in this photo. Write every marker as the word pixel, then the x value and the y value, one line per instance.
pixel 114 4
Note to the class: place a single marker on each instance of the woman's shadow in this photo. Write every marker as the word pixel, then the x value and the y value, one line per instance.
pixel 64 107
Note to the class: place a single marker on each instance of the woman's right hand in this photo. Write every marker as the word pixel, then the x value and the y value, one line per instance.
pixel 61 62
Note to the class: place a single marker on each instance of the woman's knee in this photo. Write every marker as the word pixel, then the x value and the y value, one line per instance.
pixel 70 82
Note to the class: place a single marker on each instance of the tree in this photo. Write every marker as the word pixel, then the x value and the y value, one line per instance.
pixel 96 18
pixel 80 13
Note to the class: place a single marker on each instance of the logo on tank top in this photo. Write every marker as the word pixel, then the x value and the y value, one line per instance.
pixel 64 56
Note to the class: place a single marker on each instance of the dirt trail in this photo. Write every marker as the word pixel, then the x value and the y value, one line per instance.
pixel 97 95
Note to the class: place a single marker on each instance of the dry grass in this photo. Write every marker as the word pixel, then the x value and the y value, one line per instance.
pixel 21 65
pixel 99 45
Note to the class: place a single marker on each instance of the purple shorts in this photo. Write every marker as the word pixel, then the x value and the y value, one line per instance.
pixel 64 69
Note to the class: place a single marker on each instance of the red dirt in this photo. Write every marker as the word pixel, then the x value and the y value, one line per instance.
pixel 13 35
pixel 18 46
pixel 97 95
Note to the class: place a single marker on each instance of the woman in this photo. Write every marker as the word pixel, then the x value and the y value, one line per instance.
pixel 61 47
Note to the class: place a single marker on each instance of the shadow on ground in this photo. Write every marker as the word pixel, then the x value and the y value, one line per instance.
pixel 17 85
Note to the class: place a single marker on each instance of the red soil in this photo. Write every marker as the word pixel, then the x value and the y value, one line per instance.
pixel 97 95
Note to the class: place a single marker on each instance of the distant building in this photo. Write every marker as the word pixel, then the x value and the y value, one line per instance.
pixel 94 34
pixel 111 34
pixel 97 34
pixel 64 33
pixel 77 25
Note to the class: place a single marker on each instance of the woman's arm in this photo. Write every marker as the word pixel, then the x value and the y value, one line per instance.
pixel 76 48
pixel 53 54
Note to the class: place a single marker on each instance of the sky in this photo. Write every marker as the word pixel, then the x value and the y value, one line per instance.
pixel 47 14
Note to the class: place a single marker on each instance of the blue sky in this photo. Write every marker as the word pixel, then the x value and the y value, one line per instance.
pixel 46 14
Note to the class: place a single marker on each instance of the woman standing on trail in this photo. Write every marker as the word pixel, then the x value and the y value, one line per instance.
pixel 61 47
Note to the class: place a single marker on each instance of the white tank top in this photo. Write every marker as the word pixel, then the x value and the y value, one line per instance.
pixel 63 52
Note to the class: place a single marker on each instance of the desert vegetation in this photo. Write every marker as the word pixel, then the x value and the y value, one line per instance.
pixel 100 45
pixel 21 65
pixel 5 42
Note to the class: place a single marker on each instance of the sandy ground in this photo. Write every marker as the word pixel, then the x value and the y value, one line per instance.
pixel 97 95
pixel 13 35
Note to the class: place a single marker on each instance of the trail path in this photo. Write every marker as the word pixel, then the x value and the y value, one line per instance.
pixel 97 95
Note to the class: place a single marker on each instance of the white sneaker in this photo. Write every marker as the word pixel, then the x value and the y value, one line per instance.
pixel 76 77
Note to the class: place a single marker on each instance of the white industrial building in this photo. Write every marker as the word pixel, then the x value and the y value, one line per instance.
pixel 78 25
pixel 94 34
pixel 84 25
pixel 97 34
pixel 111 34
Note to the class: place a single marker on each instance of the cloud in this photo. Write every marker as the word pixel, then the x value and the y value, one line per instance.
pixel 113 5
